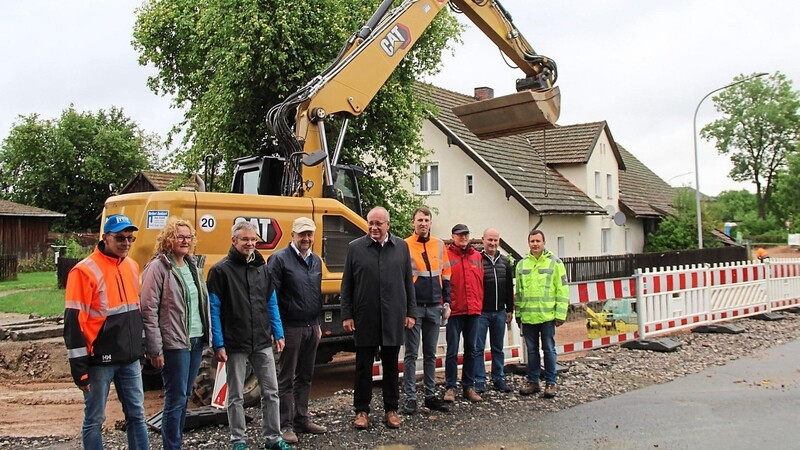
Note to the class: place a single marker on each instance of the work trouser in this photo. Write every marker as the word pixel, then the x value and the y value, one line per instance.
pixel 295 371
pixel 427 325
pixel 263 364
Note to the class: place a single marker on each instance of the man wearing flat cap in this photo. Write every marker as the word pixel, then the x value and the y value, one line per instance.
pixel 466 305
pixel 103 331
pixel 296 275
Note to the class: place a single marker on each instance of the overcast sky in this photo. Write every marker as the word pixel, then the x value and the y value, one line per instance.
pixel 640 65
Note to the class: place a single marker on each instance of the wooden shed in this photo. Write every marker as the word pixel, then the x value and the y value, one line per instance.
pixel 23 229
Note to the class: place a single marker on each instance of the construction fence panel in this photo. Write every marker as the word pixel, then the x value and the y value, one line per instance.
pixel 784 283
pixel 672 298
pixel 601 323
pixel 738 290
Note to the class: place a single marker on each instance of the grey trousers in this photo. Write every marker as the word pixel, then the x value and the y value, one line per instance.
pixel 428 320
pixel 263 364
pixel 295 371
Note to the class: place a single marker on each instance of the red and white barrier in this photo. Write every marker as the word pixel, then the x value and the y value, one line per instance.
pixel 600 291
pixel 695 295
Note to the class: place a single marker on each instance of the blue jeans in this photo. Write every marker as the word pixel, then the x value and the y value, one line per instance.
pixel 456 326
pixel 428 319
pixel 179 372
pixel 547 332
pixel 495 324
pixel 127 380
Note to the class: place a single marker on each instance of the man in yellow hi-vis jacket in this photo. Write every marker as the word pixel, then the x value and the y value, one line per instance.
pixel 541 301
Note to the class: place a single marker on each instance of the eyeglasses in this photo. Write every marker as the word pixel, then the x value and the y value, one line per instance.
pixel 183 238
pixel 247 239
pixel 121 239
pixel 376 223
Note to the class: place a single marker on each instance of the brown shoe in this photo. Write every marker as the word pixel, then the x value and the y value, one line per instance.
pixel 471 395
pixel 449 395
pixel 549 391
pixel 362 420
pixel 530 388
pixel 392 420
pixel 311 427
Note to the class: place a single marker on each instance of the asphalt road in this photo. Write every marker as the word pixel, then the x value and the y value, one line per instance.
pixel 748 403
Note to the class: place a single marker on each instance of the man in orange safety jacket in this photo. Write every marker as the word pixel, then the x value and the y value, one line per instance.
pixel 104 334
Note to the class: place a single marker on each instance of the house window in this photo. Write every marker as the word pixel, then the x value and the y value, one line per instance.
pixel 609 186
pixel 598 186
pixel 561 246
pixel 628 241
pixel 428 179
pixel 605 241
pixel 469 185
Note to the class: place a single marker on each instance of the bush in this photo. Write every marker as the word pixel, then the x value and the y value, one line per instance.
pixel 770 237
pixel 76 250
pixel 38 263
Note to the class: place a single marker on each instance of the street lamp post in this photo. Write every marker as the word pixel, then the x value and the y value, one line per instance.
pixel 697 165
pixel 678 176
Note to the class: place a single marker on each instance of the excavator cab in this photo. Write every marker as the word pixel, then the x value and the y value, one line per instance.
pixel 263 175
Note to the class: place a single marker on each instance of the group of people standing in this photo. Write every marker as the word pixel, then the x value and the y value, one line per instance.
pixel 394 293
pixel 400 292
pixel 247 308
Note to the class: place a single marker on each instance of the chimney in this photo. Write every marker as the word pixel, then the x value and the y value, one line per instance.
pixel 484 93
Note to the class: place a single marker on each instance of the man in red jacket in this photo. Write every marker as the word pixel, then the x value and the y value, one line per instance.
pixel 466 304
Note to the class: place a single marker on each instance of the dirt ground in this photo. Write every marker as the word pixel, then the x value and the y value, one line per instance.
pixel 37 395
pixel 783 251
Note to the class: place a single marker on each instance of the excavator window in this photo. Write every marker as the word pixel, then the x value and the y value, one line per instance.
pixel 337 232
pixel 345 186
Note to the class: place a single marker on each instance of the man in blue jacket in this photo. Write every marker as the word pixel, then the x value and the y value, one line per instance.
pixel 296 275
pixel 244 322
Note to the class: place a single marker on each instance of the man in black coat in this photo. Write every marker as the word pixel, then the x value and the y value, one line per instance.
pixel 377 303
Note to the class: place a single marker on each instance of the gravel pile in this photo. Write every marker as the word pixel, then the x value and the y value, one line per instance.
pixel 598 374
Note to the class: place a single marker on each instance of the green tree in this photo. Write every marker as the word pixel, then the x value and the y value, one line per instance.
pixel 66 165
pixel 679 232
pixel 786 201
pixel 759 130
pixel 733 206
pixel 742 207
pixel 226 63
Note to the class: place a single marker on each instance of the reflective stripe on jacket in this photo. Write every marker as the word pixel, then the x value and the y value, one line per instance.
pixel 542 291
pixel 430 270
pixel 102 320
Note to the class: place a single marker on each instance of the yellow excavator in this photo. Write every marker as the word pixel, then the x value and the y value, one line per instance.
pixel 308 180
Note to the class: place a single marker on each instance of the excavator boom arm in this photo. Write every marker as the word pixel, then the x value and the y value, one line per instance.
pixel 365 63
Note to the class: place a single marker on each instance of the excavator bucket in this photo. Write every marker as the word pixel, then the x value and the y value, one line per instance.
pixel 511 114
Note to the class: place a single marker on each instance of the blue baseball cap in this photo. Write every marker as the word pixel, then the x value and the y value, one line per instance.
pixel 117 223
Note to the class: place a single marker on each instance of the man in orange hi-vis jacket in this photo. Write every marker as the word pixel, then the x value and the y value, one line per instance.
pixel 104 333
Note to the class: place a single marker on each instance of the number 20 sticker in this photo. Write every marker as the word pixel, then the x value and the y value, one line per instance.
pixel 208 223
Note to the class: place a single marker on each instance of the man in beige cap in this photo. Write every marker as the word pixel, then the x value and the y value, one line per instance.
pixel 296 275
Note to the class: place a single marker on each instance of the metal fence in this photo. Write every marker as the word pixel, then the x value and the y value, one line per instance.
pixel 588 268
